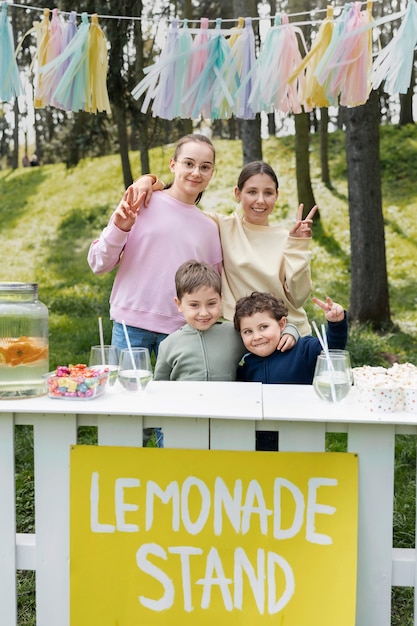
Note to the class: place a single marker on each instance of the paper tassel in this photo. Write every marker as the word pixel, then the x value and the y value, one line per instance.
pixel 53 45
pixel 243 63
pixel 205 87
pixel 313 93
pixel 42 39
pixel 51 73
pixel 98 65
pixel 72 92
pixel 173 76
pixel 394 64
pixel 10 85
pixel 156 76
pixel 280 57
pixel 356 80
pixel 198 59
pixel 348 62
pixel 323 69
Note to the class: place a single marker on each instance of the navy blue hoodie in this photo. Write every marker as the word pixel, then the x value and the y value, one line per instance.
pixel 295 366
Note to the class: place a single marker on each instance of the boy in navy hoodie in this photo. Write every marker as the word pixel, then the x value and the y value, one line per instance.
pixel 260 318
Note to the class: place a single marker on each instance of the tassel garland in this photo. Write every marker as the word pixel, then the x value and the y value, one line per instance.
pixel 215 72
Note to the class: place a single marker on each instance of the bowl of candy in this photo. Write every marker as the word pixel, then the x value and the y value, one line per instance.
pixel 77 382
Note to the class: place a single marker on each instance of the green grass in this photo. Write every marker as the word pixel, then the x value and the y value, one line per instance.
pixel 49 216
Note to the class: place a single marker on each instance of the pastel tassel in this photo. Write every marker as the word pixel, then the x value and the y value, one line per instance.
pixel 313 94
pixel 243 63
pixel 68 34
pixel 10 85
pixel 98 65
pixel 73 90
pixel 277 61
pixel 158 84
pixel 215 100
pixel 198 59
pixel 42 39
pixel 356 85
pixel 323 69
pixel 264 80
pixel 185 42
pixel 348 67
pixel 53 48
pixel 173 74
pixel 394 64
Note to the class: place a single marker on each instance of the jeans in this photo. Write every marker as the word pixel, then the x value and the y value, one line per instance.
pixel 139 338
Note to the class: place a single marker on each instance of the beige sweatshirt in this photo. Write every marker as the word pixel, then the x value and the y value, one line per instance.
pixel 264 258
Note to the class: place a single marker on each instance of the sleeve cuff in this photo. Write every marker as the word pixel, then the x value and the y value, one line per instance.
pixel 292 330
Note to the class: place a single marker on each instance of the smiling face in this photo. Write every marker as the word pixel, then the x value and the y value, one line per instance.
pixel 190 182
pixel 201 308
pixel 258 197
pixel 261 332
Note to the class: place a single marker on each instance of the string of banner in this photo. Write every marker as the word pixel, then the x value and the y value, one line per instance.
pixel 215 73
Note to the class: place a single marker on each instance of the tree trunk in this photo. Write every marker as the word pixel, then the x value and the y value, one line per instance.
pixel 369 298
pixel 122 135
pixel 15 154
pixel 324 146
pixel 250 132
pixel 406 104
pixel 302 160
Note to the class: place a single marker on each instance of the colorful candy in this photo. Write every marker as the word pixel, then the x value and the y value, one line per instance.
pixel 77 382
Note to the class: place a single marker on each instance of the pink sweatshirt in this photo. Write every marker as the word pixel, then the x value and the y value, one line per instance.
pixel 166 233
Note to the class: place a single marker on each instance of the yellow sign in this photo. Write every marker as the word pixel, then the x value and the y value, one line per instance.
pixel 200 537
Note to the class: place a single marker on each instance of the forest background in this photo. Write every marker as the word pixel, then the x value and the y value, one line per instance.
pixel 135 32
pixel 359 165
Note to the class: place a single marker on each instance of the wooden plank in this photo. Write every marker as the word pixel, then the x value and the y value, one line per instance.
pixel 8 601
pixel 120 430
pixel 232 435
pixel 376 448
pixel 301 436
pixel 182 432
pixel 53 436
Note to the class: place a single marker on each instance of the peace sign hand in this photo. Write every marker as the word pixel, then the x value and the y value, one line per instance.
pixel 302 227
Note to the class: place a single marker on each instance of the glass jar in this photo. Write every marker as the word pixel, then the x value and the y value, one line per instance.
pixel 24 353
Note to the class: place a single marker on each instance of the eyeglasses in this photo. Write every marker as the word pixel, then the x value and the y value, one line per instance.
pixel 205 169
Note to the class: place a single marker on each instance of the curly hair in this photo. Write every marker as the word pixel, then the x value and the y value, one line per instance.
pixel 259 302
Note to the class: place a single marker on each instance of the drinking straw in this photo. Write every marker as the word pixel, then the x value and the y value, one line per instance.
pixel 319 337
pixel 100 332
pixel 323 342
pixel 129 347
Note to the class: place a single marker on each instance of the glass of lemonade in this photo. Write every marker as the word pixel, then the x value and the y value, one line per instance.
pixel 106 357
pixel 333 375
pixel 135 370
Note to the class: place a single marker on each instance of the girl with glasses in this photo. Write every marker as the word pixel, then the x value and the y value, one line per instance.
pixel 148 243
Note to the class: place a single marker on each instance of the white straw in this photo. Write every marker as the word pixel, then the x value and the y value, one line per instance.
pixel 319 337
pixel 324 335
pixel 323 342
pixel 129 346
pixel 100 332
